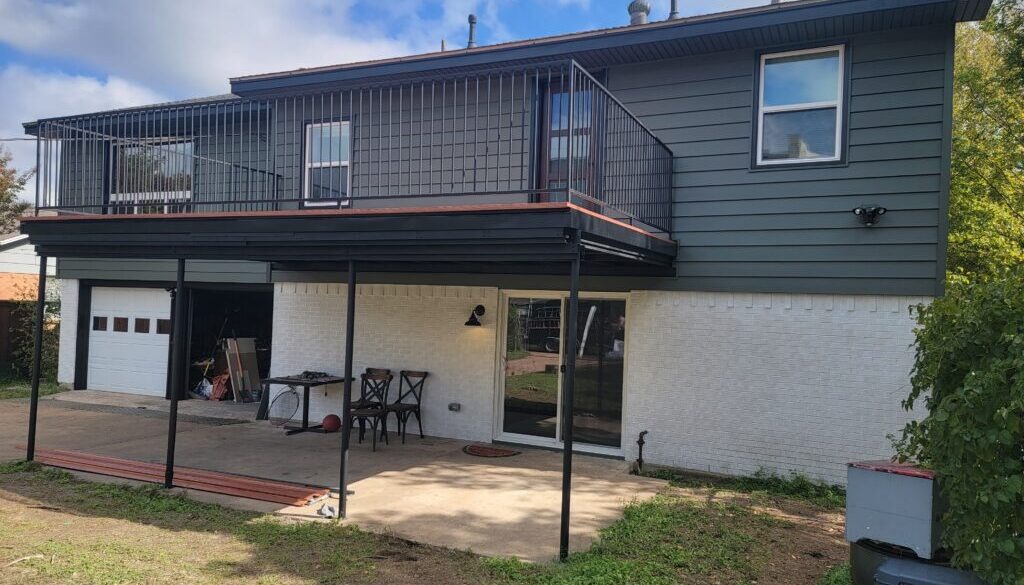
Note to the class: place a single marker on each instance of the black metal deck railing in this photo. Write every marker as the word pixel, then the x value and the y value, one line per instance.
pixel 543 132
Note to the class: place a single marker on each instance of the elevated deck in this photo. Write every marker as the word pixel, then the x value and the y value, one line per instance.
pixel 523 237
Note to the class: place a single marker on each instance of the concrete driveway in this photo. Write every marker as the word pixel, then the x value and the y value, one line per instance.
pixel 427 490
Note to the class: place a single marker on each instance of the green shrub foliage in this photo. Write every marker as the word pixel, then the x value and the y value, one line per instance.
pixel 23 323
pixel 969 374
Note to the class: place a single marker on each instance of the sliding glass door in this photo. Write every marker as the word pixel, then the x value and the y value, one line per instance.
pixel 601 335
pixel 532 358
pixel 531 367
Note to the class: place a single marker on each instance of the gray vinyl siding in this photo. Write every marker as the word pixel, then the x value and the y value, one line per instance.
pixel 213 271
pixel 738 228
pixel 462 136
pixel 429 139
pixel 791 229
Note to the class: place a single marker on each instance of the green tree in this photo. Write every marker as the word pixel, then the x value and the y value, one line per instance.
pixel 986 224
pixel 969 374
pixel 11 184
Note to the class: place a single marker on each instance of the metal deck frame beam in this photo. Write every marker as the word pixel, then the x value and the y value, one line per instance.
pixel 568 398
pixel 178 315
pixel 346 399
pixel 37 358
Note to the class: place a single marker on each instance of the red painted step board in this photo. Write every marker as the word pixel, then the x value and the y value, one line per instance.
pixel 277 492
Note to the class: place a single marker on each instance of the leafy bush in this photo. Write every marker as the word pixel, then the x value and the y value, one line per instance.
pixel 969 373
pixel 23 319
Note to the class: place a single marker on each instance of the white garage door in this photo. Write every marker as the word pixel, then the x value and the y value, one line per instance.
pixel 129 339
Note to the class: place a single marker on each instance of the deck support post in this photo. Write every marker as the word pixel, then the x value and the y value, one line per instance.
pixel 346 398
pixel 568 380
pixel 37 358
pixel 178 314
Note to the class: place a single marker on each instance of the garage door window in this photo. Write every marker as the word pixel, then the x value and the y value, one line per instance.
pixel 141 325
pixel 163 326
pixel 99 323
pixel 121 324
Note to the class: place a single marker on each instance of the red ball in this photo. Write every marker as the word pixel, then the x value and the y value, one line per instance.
pixel 332 423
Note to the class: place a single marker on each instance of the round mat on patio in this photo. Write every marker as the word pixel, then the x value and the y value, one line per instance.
pixel 485 451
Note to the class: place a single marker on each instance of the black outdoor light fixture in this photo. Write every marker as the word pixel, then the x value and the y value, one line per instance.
pixel 869 214
pixel 473 321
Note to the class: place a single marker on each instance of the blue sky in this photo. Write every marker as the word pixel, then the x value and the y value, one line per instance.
pixel 73 56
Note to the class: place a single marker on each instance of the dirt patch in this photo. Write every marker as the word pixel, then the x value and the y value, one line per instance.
pixel 804 543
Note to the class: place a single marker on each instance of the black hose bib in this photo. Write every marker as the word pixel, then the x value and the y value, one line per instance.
pixel 640 455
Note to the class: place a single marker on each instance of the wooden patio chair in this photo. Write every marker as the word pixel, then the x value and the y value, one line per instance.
pixel 410 395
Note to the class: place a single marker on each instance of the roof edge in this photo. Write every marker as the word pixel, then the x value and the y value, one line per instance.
pixel 547 47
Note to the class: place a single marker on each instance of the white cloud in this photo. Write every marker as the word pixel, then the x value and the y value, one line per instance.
pixel 156 50
pixel 30 94
pixel 191 47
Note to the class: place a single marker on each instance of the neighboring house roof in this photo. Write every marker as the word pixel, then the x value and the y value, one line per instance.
pixel 12 240
pixel 15 286
pixel 770 24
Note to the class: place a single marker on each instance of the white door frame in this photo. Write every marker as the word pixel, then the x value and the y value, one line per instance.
pixel 499 371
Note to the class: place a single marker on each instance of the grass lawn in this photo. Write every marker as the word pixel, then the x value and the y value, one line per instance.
pixel 58 529
pixel 12 386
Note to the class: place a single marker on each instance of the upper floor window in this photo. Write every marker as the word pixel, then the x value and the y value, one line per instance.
pixel 327 163
pixel 800 109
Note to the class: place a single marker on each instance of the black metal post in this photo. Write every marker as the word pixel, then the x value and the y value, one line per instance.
pixel 37 358
pixel 568 379
pixel 177 367
pixel 346 398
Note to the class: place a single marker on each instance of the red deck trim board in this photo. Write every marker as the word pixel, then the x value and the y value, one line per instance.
pixel 575 207
pixel 310 212
pixel 208 481
pixel 377 211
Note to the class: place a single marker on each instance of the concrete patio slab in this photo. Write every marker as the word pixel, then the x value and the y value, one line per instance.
pixel 427 490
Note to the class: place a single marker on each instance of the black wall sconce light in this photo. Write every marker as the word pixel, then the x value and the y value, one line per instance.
pixel 869 214
pixel 474 320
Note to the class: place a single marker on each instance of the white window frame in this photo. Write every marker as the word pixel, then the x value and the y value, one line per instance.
pixel 802 107
pixel 308 166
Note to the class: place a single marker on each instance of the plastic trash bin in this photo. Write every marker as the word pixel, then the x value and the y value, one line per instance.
pixel 910 572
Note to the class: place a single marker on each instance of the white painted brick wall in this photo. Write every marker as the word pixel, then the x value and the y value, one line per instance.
pixel 68 330
pixel 397 327
pixel 731 383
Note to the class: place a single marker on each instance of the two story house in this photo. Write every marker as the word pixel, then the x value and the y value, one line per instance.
pixel 709 229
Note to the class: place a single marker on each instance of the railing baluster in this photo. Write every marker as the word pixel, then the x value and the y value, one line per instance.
pixel 232 154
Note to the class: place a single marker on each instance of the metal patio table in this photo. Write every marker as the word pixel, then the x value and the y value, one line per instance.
pixel 307 383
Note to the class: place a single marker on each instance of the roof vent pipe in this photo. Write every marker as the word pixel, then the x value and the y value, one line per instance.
pixel 674 13
pixel 472 32
pixel 638 11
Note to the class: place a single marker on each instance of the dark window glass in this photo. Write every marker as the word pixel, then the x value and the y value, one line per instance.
pixel 99 323
pixel 328 183
pixel 163 326
pixel 121 324
pixel 141 325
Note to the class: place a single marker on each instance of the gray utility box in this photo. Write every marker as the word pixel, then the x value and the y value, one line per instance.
pixel 893 503
pixel 907 572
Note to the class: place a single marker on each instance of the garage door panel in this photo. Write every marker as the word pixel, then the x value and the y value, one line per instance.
pixel 127 361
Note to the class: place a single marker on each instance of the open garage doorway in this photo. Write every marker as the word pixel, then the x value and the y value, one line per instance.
pixel 218 314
